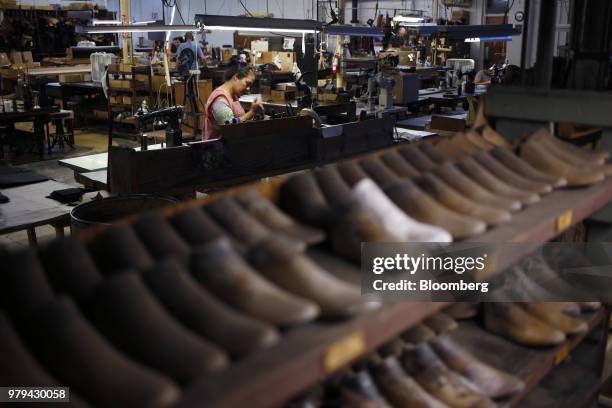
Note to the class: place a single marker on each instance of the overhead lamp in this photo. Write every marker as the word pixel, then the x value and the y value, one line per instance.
pixel 256 24
pixel 350 30
pixel 160 28
pixel 260 29
pixel 488 39
pixel 408 19
pixel 118 22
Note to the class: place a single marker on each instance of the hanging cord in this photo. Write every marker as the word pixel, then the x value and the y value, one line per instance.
pixel 245 9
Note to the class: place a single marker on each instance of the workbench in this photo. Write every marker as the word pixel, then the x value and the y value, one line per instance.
pixel 38 116
pixel 29 208
pixel 65 91
pixel 422 122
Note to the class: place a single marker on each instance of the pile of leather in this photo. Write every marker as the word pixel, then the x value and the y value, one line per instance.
pixel 141 310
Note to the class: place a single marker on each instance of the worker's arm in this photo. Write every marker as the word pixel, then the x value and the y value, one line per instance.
pixel 223 113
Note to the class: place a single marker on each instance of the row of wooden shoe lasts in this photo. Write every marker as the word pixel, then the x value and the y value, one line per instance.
pixel 132 315
pixel 427 367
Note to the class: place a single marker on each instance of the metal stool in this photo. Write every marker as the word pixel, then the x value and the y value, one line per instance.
pixel 61 137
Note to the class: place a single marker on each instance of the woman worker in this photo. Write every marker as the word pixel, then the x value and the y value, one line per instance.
pixel 223 106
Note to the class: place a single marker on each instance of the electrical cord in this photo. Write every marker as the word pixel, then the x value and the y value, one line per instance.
pixel 245 9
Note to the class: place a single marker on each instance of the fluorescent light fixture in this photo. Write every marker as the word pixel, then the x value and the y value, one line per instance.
pixel 117 22
pixel 260 29
pixel 137 29
pixel 488 39
pixel 407 19
pixel 168 33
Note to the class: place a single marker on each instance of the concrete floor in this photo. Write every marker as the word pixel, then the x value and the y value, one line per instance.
pixel 87 142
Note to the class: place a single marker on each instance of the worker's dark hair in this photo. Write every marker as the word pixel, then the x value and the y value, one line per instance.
pixel 180 39
pixel 235 67
pixel 188 36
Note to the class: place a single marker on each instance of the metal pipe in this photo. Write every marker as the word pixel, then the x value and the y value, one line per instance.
pixel 524 41
pixel 546 43
pixel 354 10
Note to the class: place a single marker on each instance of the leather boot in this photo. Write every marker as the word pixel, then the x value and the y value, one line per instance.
pixel 119 248
pixel 541 158
pixel 432 153
pixel 454 177
pixel 589 156
pixel 302 198
pixel 202 313
pixel 336 191
pixel 299 275
pixel 490 135
pixel 453 199
pixel 551 315
pixel 399 165
pixel 500 171
pixel 160 238
pixel 524 169
pixel 23 283
pixel 446 385
pixel 70 268
pixel 399 389
pixel 359 391
pixel 511 321
pixel 418 159
pixel 272 217
pixel 418 333
pixel 440 323
pixel 78 356
pixel 126 312
pixel 392 218
pixel 414 202
pixel 196 227
pixel 462 310
pixel 569 156
pixel 491 381
pixel 221 270
pixel 479 174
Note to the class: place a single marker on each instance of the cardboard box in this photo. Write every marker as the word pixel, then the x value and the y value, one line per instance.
pixel 126 100
pixel 226 55
pixel 67 78
pixel 100 114
pixel 282 96
pixel 459 16
pixel 408 58
pixel 286 59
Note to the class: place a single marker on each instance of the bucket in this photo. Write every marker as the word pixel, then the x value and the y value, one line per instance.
pixel 107 210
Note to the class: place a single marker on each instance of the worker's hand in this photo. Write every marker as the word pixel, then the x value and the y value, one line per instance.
pixel 256 107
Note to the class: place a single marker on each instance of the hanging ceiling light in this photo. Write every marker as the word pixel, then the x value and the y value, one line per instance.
pixel 155 28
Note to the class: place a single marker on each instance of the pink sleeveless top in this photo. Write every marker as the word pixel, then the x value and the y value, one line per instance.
pixel 211 128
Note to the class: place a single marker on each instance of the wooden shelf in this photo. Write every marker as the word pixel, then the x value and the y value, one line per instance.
pixel 297 362
pixel 571 384
pixel 545 220
pixel 532 365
